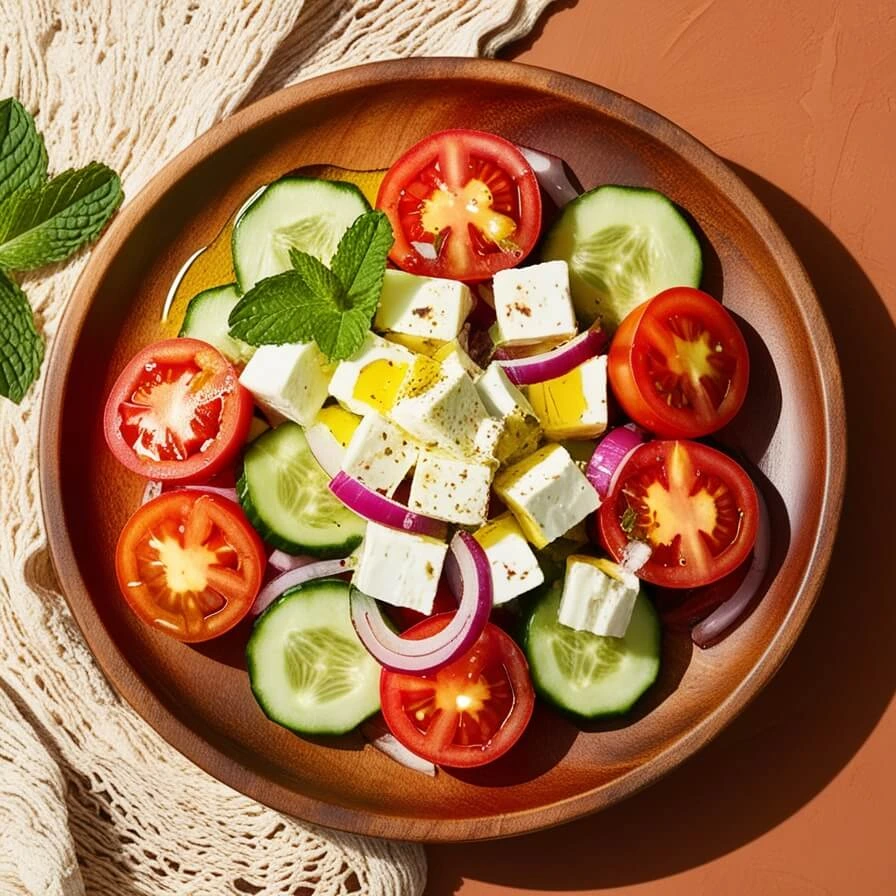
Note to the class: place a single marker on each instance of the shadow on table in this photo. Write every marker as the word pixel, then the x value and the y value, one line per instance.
pixel 828 697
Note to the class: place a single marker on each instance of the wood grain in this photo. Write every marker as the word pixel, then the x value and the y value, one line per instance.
pixel 362 118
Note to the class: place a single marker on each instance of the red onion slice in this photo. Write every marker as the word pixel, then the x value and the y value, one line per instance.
pixel 327 452
pixel 610 454
pixel 468 572
pixel 283 562
pixel 228 493
pixel 551 174
pixel 723 620
pixel 270 592
pixel 379 736
pixel 377 508
pixel 556 362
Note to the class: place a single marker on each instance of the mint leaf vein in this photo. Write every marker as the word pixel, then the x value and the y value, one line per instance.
pixel 23 156
pixel 21 348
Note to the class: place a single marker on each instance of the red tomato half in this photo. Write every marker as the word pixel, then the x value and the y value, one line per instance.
pixel 468 713
pixel 694 506
pixel 469 197
pixel 177 412
pixel 679 365
pixel 190 565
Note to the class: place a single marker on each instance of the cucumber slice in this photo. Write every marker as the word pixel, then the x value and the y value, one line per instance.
pixel 589 675
pixel 284 493
pixel 307 668
pixel 293 212
pixel 206 319
pixel 623 246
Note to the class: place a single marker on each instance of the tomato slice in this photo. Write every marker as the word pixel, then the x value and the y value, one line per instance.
pixel 463 204
pixel 468 713
pixel 679 365
pixel 190 564
pixel 177 412
pixel 694 506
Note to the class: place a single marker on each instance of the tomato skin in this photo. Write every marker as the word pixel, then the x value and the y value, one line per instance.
pixel 218 426
pixel 493 677
pixel 464 157
pixel 658 376
pixel 185 520
pixel 673 487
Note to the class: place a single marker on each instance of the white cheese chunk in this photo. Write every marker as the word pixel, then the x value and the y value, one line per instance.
pixel 598 596
pixel 288 380
pixel 379 454
pixel 573 406
pixel 451 489
pixel 533 304
pixel 454 353
pixel 430 307
pixel 439 406
pixel 502 399
pixel 400 568
pixel 547 493
pixel 370 379
pixel 514 567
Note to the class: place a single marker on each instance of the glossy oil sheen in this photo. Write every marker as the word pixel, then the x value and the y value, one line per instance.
pixel 791 427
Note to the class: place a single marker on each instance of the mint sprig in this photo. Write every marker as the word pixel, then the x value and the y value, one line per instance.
pixel 21 349
pixel 41 221
pixel 332 306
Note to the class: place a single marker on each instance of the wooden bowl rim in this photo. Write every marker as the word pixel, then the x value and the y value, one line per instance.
pixel 115 665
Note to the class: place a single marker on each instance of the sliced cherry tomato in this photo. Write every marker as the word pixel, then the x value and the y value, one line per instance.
pixel 177 412
pixel 694 506
pixel 679 365
pixel 468 713
pixel 190 564
pixel 462 204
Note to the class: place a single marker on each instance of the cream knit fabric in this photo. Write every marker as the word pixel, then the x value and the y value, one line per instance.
pixel 91 799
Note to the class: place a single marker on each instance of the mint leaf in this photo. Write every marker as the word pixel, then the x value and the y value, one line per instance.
pixel 360 260
pixel 21 348
pixel 322 284
pixel 333 307
pixel 23 156
pixel 272 313
pixel 50 222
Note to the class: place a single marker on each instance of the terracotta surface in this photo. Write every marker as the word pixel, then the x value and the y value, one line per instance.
pixel 198 696
pixel 798 796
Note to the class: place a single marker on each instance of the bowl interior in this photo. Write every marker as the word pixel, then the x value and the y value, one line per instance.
pixel 198 697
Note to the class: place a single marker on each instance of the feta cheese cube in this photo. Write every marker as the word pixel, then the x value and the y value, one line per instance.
pixel 522 431
pixel 330 433
pixel 370 379
pixel 438 405
pixel 419 345
pixel 379 454
pixel 422 306
pixel 573 406
pixel 533 304
pixel 514 567
pixel 598 596
pixel 289 380
pixel 547 493
pixel 400 568
pixel 487 438
pixel 451 489
pixel 453 353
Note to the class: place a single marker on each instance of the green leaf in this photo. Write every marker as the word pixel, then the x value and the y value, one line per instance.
pixel 360 260
pixel 23 156
pixel 51 222
pixel 271 313
pixel 21 348
pixel 321 282
pixel 333 307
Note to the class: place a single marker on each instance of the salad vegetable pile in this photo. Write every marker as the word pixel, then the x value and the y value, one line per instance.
pixel 440 449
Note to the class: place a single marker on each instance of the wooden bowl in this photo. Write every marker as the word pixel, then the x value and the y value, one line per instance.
pixel 198 698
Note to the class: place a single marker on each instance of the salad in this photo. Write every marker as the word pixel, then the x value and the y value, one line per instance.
pixel 447 455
